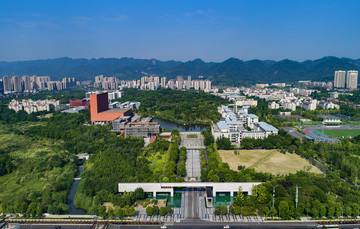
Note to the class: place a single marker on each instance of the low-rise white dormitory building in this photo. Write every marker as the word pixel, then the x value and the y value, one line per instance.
pixel 33 106
pixel 235 126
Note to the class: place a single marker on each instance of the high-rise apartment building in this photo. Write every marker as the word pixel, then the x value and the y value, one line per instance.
pixel 163 82
pixel 339 79
pixel 7 84
pixel 16 83
pixel 352 79
pixel 26 83
pixel 1 86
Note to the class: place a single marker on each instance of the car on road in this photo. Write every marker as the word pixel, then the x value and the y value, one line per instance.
pixel 163 226
pixel 226 226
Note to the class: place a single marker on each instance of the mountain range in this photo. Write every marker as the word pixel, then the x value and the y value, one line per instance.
pixel 232 71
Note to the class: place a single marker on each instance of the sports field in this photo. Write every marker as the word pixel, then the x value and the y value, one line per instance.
pixel 271 161
pixel 340 132
pixel 333 131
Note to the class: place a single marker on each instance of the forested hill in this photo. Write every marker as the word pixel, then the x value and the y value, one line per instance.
pixel 230 72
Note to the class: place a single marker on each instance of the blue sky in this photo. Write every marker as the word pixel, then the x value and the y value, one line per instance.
pixel 179 30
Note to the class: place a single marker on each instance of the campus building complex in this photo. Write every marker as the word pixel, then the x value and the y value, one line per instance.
pixel 240 125
pixel 100 112
pixel 142 129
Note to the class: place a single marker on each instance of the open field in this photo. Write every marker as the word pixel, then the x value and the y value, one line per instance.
pixel 271 161
pixel 341 132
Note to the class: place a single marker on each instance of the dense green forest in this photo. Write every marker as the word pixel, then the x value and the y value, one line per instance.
pixel 34 174
pixel 183 107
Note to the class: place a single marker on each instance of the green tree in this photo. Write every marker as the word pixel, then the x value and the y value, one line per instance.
pixel 355 209
pixel 139 194
pixel 2 208
pixel 111 213
pixel 348 211
pixel 17 207
pixel 24 207
pixel 330 209
pixel 223 143
pixel 31 211
pixel 156 210
pixel 217 210
pixel 163 211
pixel 120 213
pixel 284 211
pixel 338 209
pixel 169 210
pixel 322 211
pixel 223 210
pixel 261 194
pixel 102 211
pixel 149 210
pixel 239 198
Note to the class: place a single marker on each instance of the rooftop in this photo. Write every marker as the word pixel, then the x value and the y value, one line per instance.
pixel 267 127
pixel 116 110
pixel 252 116
pixel 222 125
pixel 234 122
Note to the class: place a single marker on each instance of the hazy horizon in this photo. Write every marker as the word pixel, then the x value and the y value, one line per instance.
pixel 220 61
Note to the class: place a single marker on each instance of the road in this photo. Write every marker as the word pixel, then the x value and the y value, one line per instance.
pixel 195 224
pixel 192 204
pixel 193 146
pixel 193 167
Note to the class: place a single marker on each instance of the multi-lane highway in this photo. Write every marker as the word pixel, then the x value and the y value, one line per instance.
pixel 192 223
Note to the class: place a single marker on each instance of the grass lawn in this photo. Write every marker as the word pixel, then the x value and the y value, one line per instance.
pixel 303 123
pixel 157 161
pixel 271 161
pixel 341 132
pixel 351 123
pixel 192 136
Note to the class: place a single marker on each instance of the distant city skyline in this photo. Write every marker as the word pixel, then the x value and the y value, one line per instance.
pixel 179 30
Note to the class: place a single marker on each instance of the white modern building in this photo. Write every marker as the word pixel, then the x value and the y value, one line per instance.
pixel 33 106
pixel 246 102
pixel 352 79
pixel 339 79
pixel 216 187
pixel 273 105
pixel 235 126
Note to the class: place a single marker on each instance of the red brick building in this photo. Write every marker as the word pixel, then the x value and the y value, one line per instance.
pixel 100 112
pixel 79 103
